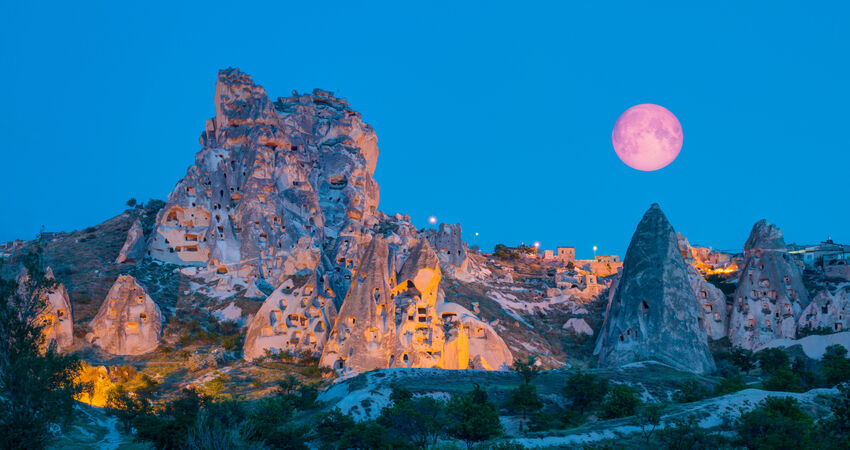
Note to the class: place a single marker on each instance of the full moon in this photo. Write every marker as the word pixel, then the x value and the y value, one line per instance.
pixel 647 137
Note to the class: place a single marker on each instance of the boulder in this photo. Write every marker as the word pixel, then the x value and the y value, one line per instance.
pixel 654 314
pixel 128 322
pixel 449 246
pixel 770 295
pixel 578 326
pixel 134 246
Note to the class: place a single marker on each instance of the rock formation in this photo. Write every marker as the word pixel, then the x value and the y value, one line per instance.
pixel 296 318
pixel 274 184
pixel 361 337
pixel 128 322
pixel 55 313
pixel 409 325
pixel 449 246
pixel 578 326
pixel 770 295
pixel 134 245
pixel 827 311
pixel 654 313
pixel 715 311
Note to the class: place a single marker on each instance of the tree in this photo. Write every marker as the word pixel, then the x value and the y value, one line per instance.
pixel 835 365
pixel 729 385
pixel 132 202
pixel 648 418
pixel 743 359
pixel 783 380
pixel 473 418
pixel 835 430
pixel 421 420
pixel 690 391
pixel 37 386
pixel 621 401
pixel 525 399
pixel 585 389
pixel 775 423
pixel 527 370
pixel 684 433
pixel 332 426
pixel 772 359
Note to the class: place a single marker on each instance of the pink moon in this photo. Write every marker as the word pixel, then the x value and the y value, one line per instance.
pixel 647 137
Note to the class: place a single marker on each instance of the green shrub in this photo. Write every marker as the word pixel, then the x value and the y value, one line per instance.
pixel 772 359
pixel 585 390
pixel 621 401
pixel 835 365
pixel 729 385
pixel 775 423
pixel 691 391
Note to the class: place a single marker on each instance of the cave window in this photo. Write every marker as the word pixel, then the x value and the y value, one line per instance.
pixel 824 309
pixel 701 323
pixel 622 338
pixel 422 311
pixel 703 294
pixel 143 317
pixel 644 307
pixel 838 326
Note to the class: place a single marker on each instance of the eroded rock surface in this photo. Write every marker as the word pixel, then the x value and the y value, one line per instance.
pixel 296 318
pixel 134 245
pixel 770 295
pixel 128 322
pixel 654 313
pixel 715 310
pixel 55 313
pixel 827 311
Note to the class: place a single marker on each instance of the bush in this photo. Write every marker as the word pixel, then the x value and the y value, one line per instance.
pixel 783 380
pixel 776 422
pixel 691 391
pixel 772 359
pixel 835 365
pixel 585 390
pixel 420 421
pixel 729 385
pixel 524 399
pixel 808 330
pixel 473 418
pixel 743 359
pixel 684 433
pixel 621 401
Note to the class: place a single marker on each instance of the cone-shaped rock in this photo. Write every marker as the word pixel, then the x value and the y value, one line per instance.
pixel 361 338
pixel 294 318
pixel 128 322
pixel 134 245
pixel 770 296
pixel 654 314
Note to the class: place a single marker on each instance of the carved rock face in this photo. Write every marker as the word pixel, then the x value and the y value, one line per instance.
pixel 715 311
pixel 274 184
pixel 128 322
pixel 56 314
pixel 654 313
pixel 134 245
pixel 827 311
pixel 770 295
pixel 361 337
pixel 449 246
pixel 293 318
pixel 411 327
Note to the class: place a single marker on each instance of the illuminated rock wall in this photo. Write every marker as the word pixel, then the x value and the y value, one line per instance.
pixel 128 322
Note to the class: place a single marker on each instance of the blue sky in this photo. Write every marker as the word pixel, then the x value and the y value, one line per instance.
pixel 497 116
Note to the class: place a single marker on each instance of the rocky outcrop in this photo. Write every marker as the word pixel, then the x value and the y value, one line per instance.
pixel 654 313
pixel 403 320
pixel 55 309
pixel 449 246
pixel 578 326
pixel 770 295
pixel 361 337
pixel 295 318
pixel 275 185
pixel 134 245
pixel 128 322
pixel 715 311
pixel 827 311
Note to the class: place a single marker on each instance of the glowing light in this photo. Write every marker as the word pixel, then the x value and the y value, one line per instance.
pixel 536 245
pixel 432 219
pixel 476 234
pixel 594 248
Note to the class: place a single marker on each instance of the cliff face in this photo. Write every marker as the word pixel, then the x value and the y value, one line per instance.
pixel 770 295
pixel 654 313
pixel 274 184
pixel 55 312
pixel 713 306
pixel 128 322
